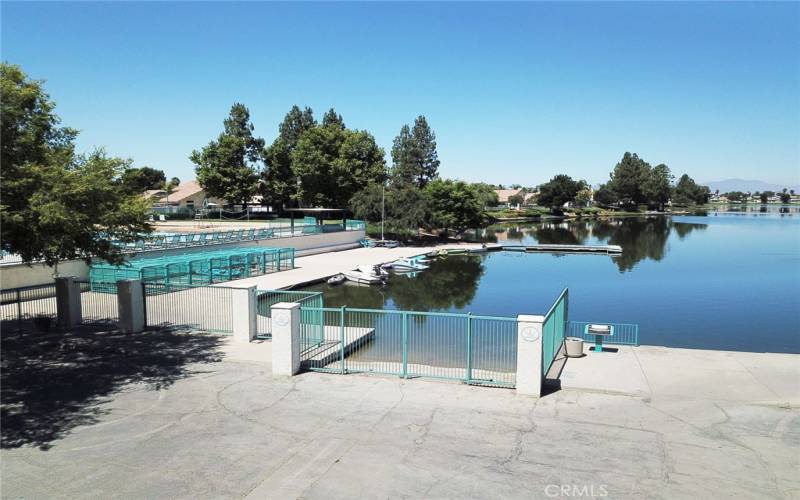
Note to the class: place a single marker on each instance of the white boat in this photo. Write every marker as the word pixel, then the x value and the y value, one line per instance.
pixel 361 277
pixel 371 269
pixel 407 265
pixel 337 280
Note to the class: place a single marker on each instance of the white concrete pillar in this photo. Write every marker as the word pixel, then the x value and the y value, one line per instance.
pixel 68 302
pixel 529 355
pixel 245 320
pixel 285 338
pixel 130 298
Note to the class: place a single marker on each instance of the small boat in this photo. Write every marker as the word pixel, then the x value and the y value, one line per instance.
pixel 337 280
pixel 406 265
pixel 361 277
pixel 371 269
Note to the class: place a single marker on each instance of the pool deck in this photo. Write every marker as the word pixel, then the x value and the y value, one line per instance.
pixel 188 415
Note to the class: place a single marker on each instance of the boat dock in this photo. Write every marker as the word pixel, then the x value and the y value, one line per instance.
pixel 603 249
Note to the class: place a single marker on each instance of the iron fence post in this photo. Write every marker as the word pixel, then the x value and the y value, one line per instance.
pixel 469 347
pixel 19 311
pixel 405 344
pixel 341 338
pixel 144 303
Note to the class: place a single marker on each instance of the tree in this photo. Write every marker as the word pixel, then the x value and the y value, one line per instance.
pixel 560 190
pixel 333 164
pixel 57 205
pixel 228 167
pixel 403 167
pixel 333 119
pixel 138 180
pixel 584 196
pixel 785 197
pixel 414 154
pixel 658 186
pixel 605 196
pixel 295 124
pixel 765 196
pixel 425 147
pixel 175 181
pixel 360 162
pixel 278 181
pixel 629 178
pixel 405 207
pixel 487 193
pixel 737 196
pixel 453 205
pixel 516 199
pixel 687 192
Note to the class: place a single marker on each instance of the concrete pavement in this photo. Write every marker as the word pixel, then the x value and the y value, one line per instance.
pixel 194 416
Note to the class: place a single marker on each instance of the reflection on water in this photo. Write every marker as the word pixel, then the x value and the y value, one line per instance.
pixel 716 282
pixel 450 284
pixel 640 237
pixel 754 209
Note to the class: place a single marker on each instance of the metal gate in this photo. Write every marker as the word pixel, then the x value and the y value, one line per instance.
pixel 553 330
pixel 470 348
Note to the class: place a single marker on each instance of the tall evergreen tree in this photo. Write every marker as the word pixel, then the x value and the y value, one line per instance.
pixel 414 154
pixel 658 186
pixel 294 124
pixel 228 167
pixel 278 181
pixel 426 157
pixel 403 167
pixel 628 179
pixel 332 118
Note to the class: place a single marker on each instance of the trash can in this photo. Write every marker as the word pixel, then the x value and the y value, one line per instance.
pixel 574 347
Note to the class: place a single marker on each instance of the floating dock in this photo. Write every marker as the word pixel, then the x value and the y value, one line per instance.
pixel 603 249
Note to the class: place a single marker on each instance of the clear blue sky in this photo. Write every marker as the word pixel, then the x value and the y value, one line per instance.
pixel 515 92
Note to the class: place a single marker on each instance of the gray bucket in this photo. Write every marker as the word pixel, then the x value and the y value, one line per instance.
pixel 574 347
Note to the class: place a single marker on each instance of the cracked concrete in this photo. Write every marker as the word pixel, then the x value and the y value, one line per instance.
pixel 229 430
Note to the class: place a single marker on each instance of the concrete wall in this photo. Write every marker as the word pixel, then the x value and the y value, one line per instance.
pixel 18 275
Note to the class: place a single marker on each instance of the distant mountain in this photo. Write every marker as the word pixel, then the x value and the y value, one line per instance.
pixel 728 185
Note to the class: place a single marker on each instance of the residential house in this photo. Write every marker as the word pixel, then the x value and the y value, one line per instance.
pixel 504 194
pixel 188 195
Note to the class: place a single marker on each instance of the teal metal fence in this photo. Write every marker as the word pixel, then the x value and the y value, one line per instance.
pixel 623 333
pixel 470 348
pixel 159 241
pixel 312 326
pixel 554 330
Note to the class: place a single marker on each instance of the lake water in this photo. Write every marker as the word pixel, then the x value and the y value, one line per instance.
pixel 729 280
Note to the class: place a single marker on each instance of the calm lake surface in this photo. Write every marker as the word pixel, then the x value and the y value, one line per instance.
pixel 728 280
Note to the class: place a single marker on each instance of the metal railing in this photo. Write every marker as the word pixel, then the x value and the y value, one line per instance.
pixel 624 333
pixel 29 308
pixel 554 329
pixel 98 307
pixel 206 308
pixel 466 347
pixel 312 326
pixel 183 240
